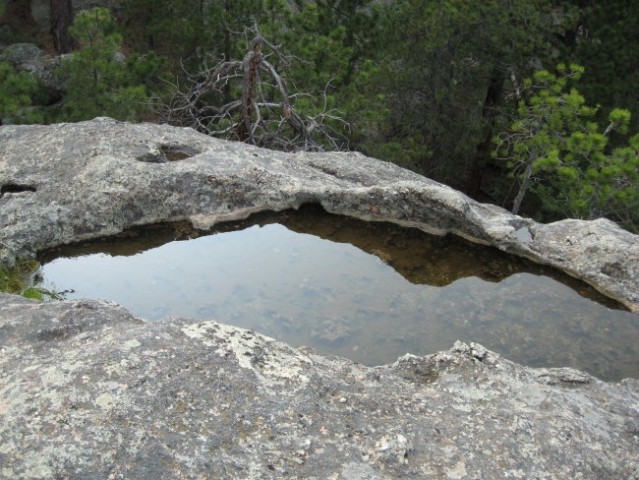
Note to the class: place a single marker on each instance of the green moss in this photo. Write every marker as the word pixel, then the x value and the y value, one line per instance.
pixel 21 279
pixel 17 279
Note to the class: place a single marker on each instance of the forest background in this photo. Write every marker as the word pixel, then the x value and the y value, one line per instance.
pixel 529 104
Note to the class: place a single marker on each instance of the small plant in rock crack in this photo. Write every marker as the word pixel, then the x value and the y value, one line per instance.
pixel 22 279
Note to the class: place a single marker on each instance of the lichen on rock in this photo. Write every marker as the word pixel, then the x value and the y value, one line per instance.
pixel 98 178
pixel 87 390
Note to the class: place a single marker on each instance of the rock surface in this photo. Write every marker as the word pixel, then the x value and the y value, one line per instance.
pixel 23 56
pixel 69 182
pixel 89 391
pixel 27 57
pixel 41 10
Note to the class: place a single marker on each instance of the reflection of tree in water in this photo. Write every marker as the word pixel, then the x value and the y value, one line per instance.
pixel 420 258
pixel 319 290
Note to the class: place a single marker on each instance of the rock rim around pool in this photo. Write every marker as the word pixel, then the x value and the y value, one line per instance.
pixel 87 390
pixel 70 182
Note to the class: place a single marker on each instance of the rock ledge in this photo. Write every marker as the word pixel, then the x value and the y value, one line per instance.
pixel 68 182
pixel 89 391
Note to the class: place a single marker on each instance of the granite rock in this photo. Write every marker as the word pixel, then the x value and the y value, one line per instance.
pixel 68 182
pixel 89 391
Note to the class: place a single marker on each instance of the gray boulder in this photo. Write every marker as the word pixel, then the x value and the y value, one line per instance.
pixel 69 182
pixel 89 391
pixel 23 56
pixel 27 57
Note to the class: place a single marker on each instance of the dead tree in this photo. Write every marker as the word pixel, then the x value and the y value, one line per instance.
pixel 61 20
pixel 265 113
pixel 250 68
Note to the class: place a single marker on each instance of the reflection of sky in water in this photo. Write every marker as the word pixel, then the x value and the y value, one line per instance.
pixel 333 296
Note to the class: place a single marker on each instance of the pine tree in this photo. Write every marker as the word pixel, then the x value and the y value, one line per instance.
pixel 557 149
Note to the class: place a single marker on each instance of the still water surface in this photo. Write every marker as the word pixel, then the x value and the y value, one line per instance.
pixel 370 292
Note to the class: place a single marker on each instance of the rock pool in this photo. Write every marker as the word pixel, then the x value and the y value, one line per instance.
pixel 367 291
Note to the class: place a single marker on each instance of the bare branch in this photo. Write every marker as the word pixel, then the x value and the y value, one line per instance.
pixel 265 113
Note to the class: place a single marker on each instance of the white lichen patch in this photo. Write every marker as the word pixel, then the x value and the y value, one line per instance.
pixel 6 447
pixel 252 351
pixel 119 368
pixel 457 471
pixel 106 401
pixel 200 331
pixel 133 343
pixel 54 377
pixel 38 470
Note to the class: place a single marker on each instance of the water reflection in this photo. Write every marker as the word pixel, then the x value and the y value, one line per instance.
pixel 412 292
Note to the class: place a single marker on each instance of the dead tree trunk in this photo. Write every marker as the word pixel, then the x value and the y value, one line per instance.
pixel 61 20
pixel 263 116
pixel 525 183
pixel 251 65
pixel 489 115
pixel 18 16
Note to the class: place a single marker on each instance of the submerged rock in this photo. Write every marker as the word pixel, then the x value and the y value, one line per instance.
pixel 89 391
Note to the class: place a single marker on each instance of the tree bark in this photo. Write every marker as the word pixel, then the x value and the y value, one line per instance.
pixel 61 20
pixel 523 188
pixel 489 114
pixel 250 66
pixel 18 16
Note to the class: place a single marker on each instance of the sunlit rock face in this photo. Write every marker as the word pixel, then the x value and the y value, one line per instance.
pixel 87 390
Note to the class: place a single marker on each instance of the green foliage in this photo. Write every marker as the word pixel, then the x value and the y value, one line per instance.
pixel 12 280
pixel 555 147
pixel 448 69
pixel 329 44
pixel 423 83
pixel 18 280
pixel 170 27
pixel 98 80
pixel 184 30
pixel 607 45
pixel 22 280
pixel 333 38
pixel 16 92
